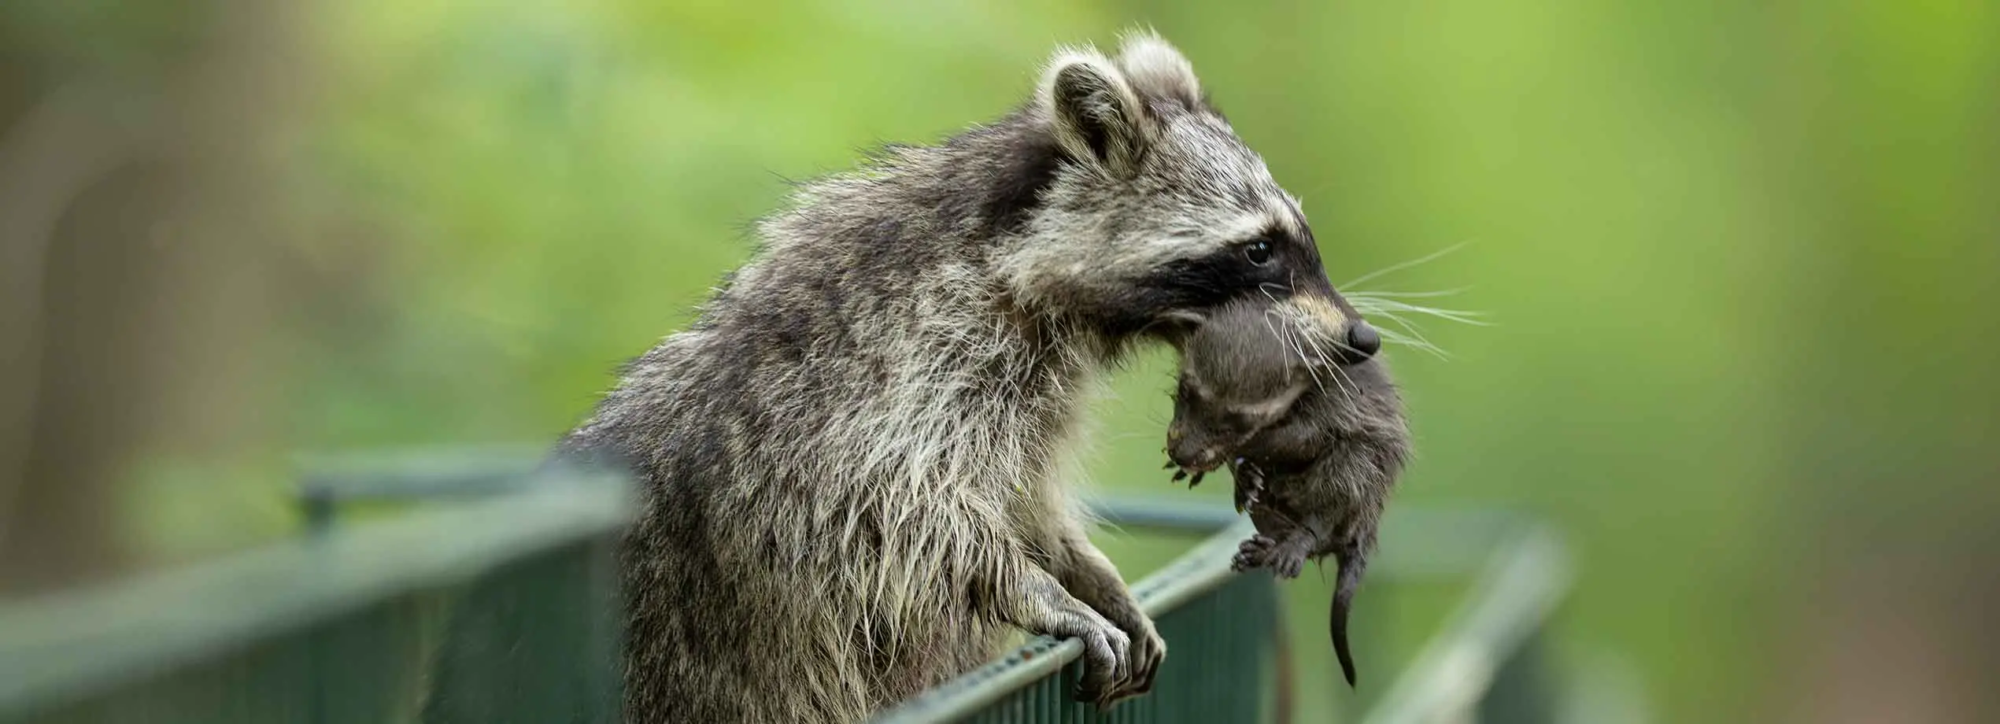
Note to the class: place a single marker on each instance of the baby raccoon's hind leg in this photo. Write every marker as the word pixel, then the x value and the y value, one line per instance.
pixel 1285 555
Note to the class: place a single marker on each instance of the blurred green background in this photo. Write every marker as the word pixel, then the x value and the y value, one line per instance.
pixel 1741 261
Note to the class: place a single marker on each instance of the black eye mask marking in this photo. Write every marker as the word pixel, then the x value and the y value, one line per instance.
pixel 1231 272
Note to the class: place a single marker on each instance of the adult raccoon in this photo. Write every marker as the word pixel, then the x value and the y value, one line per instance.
pixel 847 460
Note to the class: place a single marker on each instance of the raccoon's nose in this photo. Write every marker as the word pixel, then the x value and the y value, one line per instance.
pixel 1362 342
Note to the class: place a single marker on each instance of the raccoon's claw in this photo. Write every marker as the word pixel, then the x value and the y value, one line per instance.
pixel 1196 480
pixel 1244 499
pixel 1145 654
pixel 1180 475
pixel 1249 483
pixel 1170 465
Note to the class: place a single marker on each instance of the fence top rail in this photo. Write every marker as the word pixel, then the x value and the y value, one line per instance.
pixel 63 645
pixel 1194 573
pixel 1525 578
pixel 1521 568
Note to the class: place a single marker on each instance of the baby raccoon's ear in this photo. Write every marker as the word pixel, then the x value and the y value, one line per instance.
pixel 1095 115
pixel 1276 407
pixel 1179 324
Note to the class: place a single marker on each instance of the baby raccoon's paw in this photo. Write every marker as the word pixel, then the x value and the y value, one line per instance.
pixel 1287 563
pixel 1261 551
pixel 1252 553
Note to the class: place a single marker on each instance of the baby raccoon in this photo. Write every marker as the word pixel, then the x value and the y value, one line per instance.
pixel 1315 446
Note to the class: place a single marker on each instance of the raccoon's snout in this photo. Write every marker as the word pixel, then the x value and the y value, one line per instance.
pixel 1196 454
pixel 1197 458
pixel 1356 340
pixel 1362 343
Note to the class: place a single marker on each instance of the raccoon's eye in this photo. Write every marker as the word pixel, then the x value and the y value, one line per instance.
pixel 1258 252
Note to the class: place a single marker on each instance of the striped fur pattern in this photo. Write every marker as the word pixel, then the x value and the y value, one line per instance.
pixel 852 460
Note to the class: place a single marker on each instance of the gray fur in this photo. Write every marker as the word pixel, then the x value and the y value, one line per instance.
pixel 1315 477
pixel 851 461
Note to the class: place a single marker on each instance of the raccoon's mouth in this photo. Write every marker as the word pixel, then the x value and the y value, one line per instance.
pixel 1193 476
pixel 1202 464
pixel 1192 471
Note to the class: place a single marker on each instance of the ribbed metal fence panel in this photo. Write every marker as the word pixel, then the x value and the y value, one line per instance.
pixel 1485 664
pixel 1220 670
pixel 348 625
pixel 500 604
pixel 1221 632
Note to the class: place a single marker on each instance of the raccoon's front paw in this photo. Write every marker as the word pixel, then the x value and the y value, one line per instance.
pixel 1106 657
pixel 1143 661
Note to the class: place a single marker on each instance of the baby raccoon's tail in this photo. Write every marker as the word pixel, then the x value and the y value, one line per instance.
pixel 1353 563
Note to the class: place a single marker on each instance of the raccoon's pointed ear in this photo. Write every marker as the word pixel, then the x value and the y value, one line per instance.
pixel 1157 70
pixel 1093 112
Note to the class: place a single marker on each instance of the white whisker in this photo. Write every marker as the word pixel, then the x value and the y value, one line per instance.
pixel 1412 339
pixel 1433 256
pixel 1373 294
pixel 1321 356
pixel 1390 306
pixel 1288 338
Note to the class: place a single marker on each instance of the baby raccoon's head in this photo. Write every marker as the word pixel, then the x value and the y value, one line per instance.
pixel 1239 374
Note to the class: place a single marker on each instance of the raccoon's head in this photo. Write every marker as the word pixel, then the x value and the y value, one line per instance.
pixel 1156 211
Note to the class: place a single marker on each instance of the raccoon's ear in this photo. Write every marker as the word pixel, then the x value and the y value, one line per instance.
pixel 1157 70
pixel 1187 317
pixel 1179 324
pixel 1276 406
pixel 1094 113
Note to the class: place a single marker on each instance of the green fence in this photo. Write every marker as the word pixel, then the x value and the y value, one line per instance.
pixel 347 624
pixel 494 600
pixel 1221 631
pixel 1227 661
pixel 1222 628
